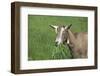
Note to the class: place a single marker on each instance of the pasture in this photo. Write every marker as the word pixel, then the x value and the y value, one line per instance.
pixel 41 37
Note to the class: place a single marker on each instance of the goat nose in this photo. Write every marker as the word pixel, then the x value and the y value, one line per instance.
pixel 56 43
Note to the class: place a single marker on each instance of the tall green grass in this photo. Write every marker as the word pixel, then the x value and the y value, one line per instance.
pixel 61 52
pixel 41 36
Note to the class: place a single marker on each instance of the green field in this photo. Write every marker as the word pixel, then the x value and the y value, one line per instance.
pixel 41 36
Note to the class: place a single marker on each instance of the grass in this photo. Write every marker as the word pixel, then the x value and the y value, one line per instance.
pixel 41 36
pixel 61 52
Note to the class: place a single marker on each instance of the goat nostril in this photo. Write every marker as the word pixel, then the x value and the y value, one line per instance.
pixel 56 43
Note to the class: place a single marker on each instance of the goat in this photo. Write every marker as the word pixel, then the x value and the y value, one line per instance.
pixel 77 42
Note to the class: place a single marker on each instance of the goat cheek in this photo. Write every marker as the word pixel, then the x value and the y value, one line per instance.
pixel 71 45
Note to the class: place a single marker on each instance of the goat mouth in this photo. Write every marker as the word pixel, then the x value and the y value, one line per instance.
pixel 56 44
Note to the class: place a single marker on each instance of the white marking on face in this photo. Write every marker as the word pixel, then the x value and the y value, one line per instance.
pixel 59 38
pixel 68 41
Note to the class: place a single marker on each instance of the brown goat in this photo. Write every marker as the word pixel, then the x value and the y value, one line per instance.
pixel 77 42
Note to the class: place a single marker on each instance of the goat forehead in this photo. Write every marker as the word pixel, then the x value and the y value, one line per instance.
pixel 59 37
pixel 60 32
pixel 60 28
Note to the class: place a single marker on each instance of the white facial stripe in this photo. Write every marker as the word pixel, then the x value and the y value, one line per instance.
pixel 61 32
pixel 68 41
pixel 59 40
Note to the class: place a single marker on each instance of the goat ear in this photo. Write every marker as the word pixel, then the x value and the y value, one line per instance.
pixel 69 26
pixel 53 26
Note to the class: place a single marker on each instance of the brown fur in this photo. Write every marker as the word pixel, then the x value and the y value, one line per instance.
pixel 78 44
